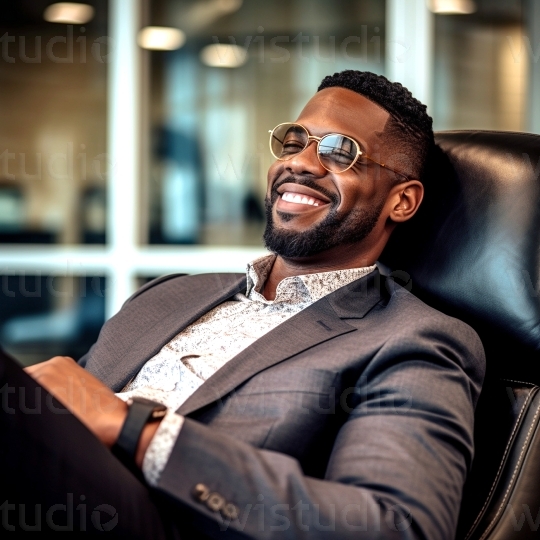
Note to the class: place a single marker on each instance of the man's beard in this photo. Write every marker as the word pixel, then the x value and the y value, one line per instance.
pixel 332 231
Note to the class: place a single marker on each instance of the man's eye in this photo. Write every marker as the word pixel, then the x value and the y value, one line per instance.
pixel 291 147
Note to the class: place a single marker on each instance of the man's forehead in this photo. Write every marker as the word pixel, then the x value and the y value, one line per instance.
pixel 342 110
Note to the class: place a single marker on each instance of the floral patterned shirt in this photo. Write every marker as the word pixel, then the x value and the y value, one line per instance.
pixel 201 349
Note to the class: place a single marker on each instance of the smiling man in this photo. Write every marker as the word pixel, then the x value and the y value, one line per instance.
pixel 349 221
pixel 312 398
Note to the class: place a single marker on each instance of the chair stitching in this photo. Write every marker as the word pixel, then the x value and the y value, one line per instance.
pixel 518 464
pixel 505 453
pixel 519 382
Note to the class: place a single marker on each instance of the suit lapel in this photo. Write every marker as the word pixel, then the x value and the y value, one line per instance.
pixel 177 303
pixel 319 322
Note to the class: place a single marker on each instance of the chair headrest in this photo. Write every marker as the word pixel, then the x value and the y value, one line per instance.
pixel 473 249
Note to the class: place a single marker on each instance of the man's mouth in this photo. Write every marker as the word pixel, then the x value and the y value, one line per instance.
pixel 300 199
pixel 297 197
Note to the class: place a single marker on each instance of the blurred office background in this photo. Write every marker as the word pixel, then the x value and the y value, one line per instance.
pixel 133 133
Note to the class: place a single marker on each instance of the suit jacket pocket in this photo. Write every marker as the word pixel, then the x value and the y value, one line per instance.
pixel 282 409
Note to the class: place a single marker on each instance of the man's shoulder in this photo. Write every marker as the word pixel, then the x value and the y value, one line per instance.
pixel 160 308
pixel 395 294
pixel 405 300
pixel 179 283
pixel 417 316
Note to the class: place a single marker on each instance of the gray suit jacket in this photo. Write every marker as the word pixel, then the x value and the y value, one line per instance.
pixel 353 419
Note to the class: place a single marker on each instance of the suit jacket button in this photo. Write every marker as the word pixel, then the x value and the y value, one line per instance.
pixel 215 502
pixel 230 511
pixel 201 492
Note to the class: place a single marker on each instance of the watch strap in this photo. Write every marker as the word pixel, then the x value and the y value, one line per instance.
pixel 139 413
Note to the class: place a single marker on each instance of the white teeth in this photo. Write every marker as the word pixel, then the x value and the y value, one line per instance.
pixel 299 199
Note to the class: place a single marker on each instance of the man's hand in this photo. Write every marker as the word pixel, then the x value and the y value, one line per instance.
pixel 86 397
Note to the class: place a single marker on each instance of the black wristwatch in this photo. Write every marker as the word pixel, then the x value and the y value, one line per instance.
pixel 140 412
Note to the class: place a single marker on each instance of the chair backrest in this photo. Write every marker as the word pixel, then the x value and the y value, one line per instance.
pixel 473 251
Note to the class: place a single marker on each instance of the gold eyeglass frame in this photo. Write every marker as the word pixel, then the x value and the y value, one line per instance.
pixel 319 139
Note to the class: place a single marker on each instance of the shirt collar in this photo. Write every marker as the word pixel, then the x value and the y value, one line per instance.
pixel 297 289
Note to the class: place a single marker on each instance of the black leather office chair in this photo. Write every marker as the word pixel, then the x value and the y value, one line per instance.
pixel 473 251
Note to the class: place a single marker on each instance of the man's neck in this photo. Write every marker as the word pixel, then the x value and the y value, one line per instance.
pixel 284 268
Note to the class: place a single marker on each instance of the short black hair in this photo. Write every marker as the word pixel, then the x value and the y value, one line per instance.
pixel 410 128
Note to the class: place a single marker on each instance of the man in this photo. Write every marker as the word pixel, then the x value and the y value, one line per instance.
pixel 316 399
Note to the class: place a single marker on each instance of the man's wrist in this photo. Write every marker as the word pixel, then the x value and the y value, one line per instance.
pixel 112 424
pixel 136 431
pixel 144 442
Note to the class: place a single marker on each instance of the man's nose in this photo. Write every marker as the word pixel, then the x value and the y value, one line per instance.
pixel 307 161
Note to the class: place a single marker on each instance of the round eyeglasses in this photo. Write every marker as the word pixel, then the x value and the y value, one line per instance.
pixel 337 153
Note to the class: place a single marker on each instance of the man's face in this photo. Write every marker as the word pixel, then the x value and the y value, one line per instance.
pixel 349 204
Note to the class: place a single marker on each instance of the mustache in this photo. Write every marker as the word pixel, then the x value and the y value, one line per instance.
pixel 302 181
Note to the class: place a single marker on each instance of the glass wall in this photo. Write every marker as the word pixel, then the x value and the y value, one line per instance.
pixel 210 120
pixel 480 73
pixel 119 162
pixel 53 117
pixel 52 126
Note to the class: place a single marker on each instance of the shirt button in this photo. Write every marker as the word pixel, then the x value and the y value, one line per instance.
pixel 215 502
pixel 201 492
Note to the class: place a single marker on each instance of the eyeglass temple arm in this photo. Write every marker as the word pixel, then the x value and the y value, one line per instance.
pixel 387 167
pixel 274 137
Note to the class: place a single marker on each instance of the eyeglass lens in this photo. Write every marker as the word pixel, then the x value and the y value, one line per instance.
pixel 336 152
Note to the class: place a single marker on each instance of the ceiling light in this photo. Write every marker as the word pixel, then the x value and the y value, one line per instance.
pixel 224 55
pixel 161 38
pixel 69 13
pixel 455 7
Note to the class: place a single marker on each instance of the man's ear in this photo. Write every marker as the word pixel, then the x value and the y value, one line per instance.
pixel 405 199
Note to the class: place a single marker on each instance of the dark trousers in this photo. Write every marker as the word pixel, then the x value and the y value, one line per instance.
pixel 56 476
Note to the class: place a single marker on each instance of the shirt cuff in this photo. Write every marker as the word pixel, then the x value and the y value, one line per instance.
pixel 160 447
